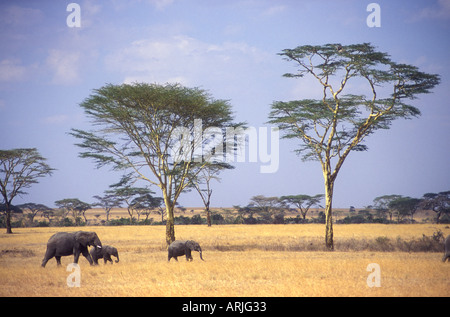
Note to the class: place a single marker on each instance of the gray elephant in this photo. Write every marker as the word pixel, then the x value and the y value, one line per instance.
pixel 104 252
pixel 447 249
pixel 68 243
pixel 179 248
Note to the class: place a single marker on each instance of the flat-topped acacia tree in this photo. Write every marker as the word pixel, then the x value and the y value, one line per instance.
pixel 343 115
pixel 19 170
pixel 137 130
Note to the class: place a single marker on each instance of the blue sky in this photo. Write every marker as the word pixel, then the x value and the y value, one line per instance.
pixel 230 49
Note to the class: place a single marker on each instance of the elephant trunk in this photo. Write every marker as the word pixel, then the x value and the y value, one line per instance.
pixel 117 256
pixel 201 255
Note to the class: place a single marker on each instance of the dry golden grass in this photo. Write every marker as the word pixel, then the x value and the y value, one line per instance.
pixel 236 263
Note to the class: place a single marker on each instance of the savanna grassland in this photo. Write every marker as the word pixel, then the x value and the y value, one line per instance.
pixel 240 260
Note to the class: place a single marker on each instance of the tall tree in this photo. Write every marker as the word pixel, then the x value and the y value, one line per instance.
pixel 338 122
pixel 156 131
pixel 19 169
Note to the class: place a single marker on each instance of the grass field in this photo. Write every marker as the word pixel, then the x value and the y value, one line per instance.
pixel 240 260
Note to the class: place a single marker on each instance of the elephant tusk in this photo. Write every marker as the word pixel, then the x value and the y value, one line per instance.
pixel 99 246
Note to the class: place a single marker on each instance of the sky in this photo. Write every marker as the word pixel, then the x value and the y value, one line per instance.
pixel 48 66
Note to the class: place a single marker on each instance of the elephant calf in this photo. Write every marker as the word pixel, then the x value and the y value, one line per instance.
pixel 68 243
pixel 105 252
pixel 447 249
pixel 179 248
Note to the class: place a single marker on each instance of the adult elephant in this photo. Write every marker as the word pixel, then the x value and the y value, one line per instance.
pixel 447 249
pixel 105 252
pixel 181 247
pixel 68 243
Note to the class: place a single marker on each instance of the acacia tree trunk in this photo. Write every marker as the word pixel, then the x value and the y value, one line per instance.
pixel 208 216
pixel 329 184
pixel 8 220
pixel 7 215
pixel 170 223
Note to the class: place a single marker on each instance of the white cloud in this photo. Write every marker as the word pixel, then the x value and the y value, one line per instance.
pixel 161 4
pixel 184 59
pixel 274 10
pixel 64 65
pixel 12 70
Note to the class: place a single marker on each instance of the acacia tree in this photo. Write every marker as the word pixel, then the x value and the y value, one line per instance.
pixel 34 209
pixel 138 130
pixel 382 203
pixel 267 206
pixel 202 183
pixel 19 169
pixel 303 202
pixel 439 203
pixel 404 206
pixel 108 201
pixel 339 120
pixel 75 207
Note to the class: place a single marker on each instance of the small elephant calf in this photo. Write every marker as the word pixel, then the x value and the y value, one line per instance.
pixel 179 248
pixel 105 252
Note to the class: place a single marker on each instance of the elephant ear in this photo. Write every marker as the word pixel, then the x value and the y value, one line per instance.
pixel 191 244
pixel 83 238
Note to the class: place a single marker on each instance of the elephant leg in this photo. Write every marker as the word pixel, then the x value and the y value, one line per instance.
pixel 86 254
pixel 76 256
pixel 48 255
pixel 188 255
pixel 58 260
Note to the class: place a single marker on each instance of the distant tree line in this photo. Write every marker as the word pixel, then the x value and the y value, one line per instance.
pixel 140 204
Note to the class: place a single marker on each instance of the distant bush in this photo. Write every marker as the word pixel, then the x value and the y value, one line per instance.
pixel 217 219
pixel 363 216
pixel 194 220
pixel 119 222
